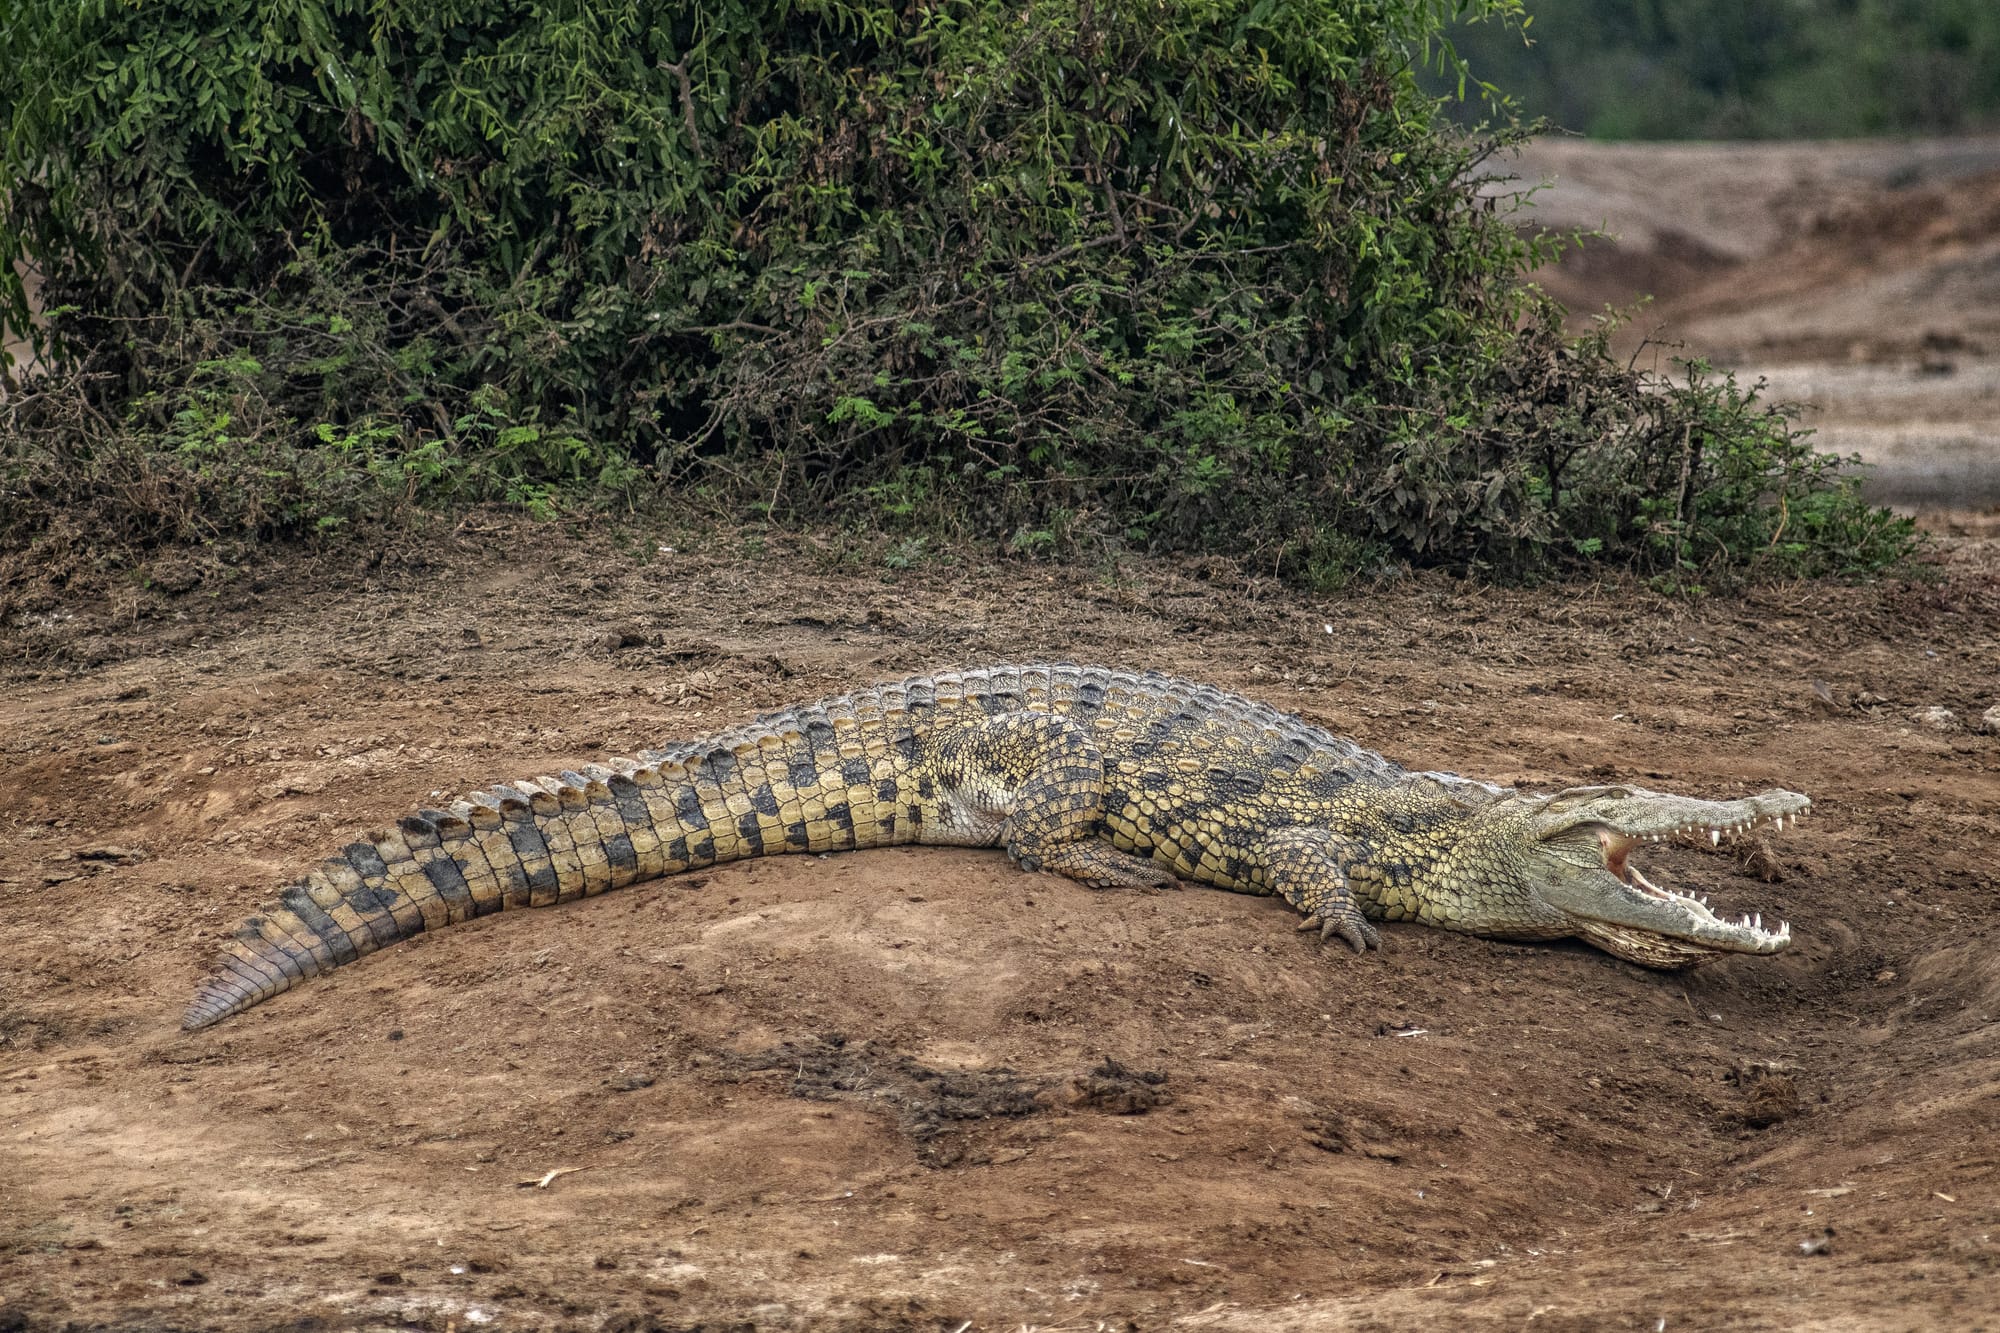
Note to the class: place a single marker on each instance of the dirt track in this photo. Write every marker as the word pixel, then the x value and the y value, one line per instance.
pixel 753 1076
pixel 873 1092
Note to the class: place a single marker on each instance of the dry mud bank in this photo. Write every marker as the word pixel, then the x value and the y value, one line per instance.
pixel 871 1091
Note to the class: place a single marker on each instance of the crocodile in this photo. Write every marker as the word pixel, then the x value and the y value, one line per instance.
pixel 1111 778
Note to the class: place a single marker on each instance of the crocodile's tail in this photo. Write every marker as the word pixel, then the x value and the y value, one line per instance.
pixel 803 785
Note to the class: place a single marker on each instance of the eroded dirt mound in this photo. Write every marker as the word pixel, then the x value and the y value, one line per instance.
pixel 1781 252
pixel 934 1106
pixel 916 1088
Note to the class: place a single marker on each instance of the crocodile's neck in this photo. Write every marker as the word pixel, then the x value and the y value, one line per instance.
pixel 1438 848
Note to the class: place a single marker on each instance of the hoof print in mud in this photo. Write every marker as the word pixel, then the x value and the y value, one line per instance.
pixel 1346 1134
pixel 935 1107
pixel 1113 1089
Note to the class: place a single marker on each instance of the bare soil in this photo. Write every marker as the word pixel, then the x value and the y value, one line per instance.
pixel 919 1089
pixel 908 1089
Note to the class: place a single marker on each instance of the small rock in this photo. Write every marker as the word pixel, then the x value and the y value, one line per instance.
pixel 620 637
pixel 123 855
pixel 1989 721
pixel 1758 858
pixel 1823 698
pixel 1936 718
pixel 1822 1244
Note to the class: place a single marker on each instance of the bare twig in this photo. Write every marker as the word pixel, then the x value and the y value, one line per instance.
pixel 543 1182
pixel 679 71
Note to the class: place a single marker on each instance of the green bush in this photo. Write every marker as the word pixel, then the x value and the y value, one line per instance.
pixel 1195 276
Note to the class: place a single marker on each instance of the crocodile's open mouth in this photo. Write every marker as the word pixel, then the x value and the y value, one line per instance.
pixel 1749 933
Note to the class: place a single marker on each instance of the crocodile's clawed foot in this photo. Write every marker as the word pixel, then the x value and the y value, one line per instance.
pixel 1096 866
pixel 1349 925
pixel 1155 886
pixel 1146 878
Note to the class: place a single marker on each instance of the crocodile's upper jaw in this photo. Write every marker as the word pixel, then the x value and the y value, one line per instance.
pixel 1585 871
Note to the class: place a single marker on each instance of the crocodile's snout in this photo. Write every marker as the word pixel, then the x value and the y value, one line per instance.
pixel 1657 925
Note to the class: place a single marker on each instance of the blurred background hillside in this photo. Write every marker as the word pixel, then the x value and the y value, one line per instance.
pixel 1718 69
pixel 1805 192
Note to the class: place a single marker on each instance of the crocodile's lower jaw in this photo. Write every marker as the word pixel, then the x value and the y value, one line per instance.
pixel 1670 953
pixel 1661 952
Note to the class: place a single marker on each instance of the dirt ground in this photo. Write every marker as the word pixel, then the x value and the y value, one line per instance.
pixel 919 1090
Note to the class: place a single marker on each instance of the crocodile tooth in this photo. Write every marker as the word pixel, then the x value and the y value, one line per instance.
pixel 1715 837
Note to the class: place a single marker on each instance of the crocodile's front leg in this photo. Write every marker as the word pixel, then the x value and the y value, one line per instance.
pixel 1306 869
pixel 1034 784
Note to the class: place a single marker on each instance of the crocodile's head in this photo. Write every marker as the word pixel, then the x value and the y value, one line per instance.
pixel 1571 854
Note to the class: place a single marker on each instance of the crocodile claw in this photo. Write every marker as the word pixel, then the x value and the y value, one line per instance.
pixel 1349 925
